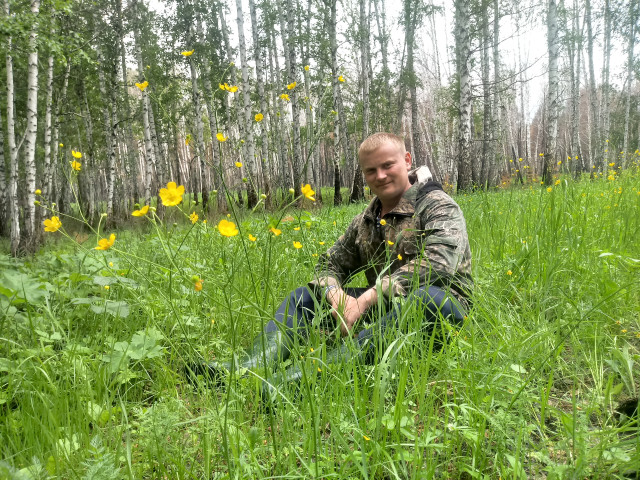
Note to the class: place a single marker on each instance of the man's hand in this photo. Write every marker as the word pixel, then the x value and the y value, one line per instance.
pixel 347 309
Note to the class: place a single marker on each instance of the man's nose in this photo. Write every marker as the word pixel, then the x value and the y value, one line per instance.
pixel 380 174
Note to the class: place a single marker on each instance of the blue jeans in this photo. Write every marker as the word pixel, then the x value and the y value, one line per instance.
pixel 298 310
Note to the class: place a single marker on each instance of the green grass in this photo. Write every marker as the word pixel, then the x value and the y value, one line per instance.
pixel 91 382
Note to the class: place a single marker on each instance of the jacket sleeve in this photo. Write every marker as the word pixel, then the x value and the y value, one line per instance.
pixel 437 254
pixel 338 263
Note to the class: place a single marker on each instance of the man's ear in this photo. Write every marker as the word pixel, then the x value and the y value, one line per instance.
pixel 407 159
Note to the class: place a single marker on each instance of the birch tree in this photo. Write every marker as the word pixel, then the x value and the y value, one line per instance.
pixel 553 47
pixel 357 187
pixel 594 130
pixel 246 116
pixel 634 5
pixel 463 54
pixel 32 125
pixel 14 211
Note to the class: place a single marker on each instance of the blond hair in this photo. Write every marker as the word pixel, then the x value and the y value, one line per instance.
pixel 375 141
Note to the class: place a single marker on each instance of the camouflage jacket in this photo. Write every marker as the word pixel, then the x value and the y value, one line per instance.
pixel 422 241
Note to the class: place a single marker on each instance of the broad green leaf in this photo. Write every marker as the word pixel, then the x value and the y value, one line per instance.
pixel 117 309
pixel 20 288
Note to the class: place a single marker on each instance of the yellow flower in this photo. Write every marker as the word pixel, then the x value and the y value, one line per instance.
pixel 259 117
pixel 297 245
pixel 306 68
pixel 549 189
pixel 142 86
pixel 76 165
pixel 612 164
pixel 252 238
pixel 104 244
pixel 142 212
pixel 111 264
pixel 390 242
pixel 76 155
pixel 172 195
pixel 366 438
pixel 510 160
pixel 296 229
pixel 52 224
pixel 193 217
pixel 541 154
pixel 187 53
pixel 187 139
pixel 383 222
pixel 275 231
pixel 238 164
pixel 221 86
pixel 221 137
pixel 557 182
pixel 307 192
pixel 107 287
pixel 291 86
pixel 560 162
pixel 197 286
pixel 341 78
pixel 232 89
pixel 399 257
pixel 284 97
pixel 38 191
pixel 509 272
pixel 520 159
pixel 61 145
pixel 227 228
pixel 321 243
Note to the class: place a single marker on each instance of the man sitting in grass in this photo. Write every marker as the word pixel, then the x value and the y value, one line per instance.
pixel 411 241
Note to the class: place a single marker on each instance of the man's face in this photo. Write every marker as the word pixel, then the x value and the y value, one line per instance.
pixel 386 171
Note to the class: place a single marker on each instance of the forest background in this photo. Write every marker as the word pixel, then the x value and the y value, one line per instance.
pixel 529 117
pixel 266 96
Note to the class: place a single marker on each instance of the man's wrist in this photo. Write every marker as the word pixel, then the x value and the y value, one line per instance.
pixel 328 289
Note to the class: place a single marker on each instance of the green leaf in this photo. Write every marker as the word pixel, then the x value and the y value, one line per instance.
pixel 20 288
pixel 117 309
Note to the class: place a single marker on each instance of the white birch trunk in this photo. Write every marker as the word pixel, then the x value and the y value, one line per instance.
pixel 107 128
pixel 51 171
pixel 4 193
pixel 213 127
pixel 463 50
pixel 32 126
pixel 246 116
pixel 148 146
pixel 594 131
pixel 606 87
pixel 14 207
pixel 551 133
pixel 47 130
pixel 357 187
pixel 264 106
pixel 287 14
pixel 335 84
pixel 633 18
pixel 487 140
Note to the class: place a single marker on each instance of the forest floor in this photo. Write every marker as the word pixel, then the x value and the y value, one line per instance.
pixel 93 345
